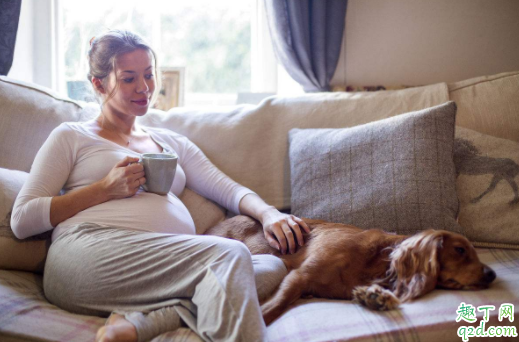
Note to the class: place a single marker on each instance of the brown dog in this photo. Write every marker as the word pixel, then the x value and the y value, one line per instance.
pixel 375 268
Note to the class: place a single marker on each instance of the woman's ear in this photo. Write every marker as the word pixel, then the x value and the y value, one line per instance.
pixel 98 85
pixel 415 266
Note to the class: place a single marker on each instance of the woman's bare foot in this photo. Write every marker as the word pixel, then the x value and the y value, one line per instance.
pixel 117 329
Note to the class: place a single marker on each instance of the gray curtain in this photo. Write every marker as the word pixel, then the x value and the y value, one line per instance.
pixel 307 37
pixel 9 16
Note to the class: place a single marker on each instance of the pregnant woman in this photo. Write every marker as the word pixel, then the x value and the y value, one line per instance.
pixel 132 255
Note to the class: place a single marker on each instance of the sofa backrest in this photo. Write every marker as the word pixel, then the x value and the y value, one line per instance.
pixel 489 104
pixel 249 143
pixel 28 114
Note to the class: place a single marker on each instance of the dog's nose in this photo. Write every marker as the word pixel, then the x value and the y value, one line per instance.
pixel 488 275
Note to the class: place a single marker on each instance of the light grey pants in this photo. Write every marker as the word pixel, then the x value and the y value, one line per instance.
pixel 158 280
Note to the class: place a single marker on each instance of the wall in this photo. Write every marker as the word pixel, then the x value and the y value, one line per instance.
pixel 390 42
pixel 416 42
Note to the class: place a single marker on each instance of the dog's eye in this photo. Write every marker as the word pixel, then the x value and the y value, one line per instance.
pixel 460 250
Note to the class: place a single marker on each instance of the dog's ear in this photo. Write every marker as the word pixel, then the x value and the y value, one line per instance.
pixel 414 266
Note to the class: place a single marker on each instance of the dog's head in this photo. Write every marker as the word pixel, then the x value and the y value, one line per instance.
pixel 436 258
pixel 460 267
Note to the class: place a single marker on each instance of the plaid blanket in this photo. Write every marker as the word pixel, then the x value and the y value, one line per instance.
pixel 25 315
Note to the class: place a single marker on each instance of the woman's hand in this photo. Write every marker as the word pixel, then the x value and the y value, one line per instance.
pixel 124 179
pixel 283 231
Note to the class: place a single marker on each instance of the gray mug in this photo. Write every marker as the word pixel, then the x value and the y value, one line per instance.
pixel 159 170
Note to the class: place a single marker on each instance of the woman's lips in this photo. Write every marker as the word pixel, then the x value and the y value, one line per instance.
pixel 141 102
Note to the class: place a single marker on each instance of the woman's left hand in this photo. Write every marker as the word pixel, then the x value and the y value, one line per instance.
pixel 283 231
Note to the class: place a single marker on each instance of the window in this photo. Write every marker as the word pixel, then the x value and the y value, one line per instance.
pixel 223 45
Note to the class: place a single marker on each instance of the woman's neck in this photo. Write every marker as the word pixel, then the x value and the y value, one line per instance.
pixel 117 123
pixel 118 128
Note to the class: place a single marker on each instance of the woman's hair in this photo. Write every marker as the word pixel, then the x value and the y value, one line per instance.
pixel 105 49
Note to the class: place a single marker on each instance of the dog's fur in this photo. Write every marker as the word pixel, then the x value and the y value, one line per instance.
pixel 377 269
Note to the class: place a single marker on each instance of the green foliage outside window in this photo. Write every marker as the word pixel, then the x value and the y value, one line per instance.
pixel 212 41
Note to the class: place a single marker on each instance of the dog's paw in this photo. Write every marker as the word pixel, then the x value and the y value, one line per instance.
pixel 375 297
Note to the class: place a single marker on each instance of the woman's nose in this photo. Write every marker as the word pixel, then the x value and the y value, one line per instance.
pixel 142 86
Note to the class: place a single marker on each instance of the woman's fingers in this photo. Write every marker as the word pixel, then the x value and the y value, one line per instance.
pixel 139 181
pixel 301 223
pixel 285 237
pixel 280 236
pixel 124 179
pixel 126 161
pixel 297 231
pixel 286 232
pixel 272 241
pixel 135 168
pixel 289 234
pixel 138 175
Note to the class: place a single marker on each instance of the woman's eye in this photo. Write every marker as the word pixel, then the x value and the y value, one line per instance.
pixel 460 250
pixel 149 77
pixel 128 80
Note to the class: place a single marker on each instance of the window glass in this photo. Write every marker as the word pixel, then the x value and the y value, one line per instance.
pixel 210 39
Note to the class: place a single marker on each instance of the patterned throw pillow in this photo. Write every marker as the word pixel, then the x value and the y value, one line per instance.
pixel 23 255
pixel 395 174
pixel 488 188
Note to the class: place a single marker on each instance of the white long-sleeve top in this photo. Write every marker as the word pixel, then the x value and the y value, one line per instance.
pixel 74 157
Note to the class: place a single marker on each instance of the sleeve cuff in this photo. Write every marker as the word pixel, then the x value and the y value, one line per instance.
pixel 238 197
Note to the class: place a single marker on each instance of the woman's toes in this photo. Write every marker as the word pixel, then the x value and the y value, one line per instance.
pixel 118 329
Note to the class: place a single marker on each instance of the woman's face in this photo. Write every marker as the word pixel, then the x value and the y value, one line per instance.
pixel 135 81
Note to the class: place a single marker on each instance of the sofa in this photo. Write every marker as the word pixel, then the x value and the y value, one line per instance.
pixel 251 144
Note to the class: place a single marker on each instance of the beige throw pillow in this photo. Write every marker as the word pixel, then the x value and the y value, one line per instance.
pixel 205 213
pixel 11 182
pixel 23 255
pixel 488 188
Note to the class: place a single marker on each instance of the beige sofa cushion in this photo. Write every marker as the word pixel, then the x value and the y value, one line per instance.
pixel 250 143
pixel 489 104
pixel 28 316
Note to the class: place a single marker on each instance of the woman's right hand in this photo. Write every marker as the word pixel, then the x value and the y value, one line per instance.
pixel 124 179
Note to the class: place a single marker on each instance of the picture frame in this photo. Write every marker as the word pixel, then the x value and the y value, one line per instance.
pixel 172 92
